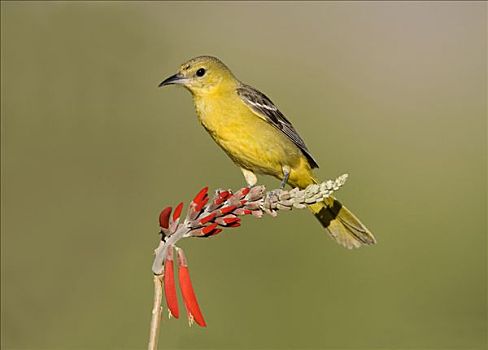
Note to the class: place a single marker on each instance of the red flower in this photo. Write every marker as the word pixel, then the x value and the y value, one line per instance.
pixel 177 212
pixel 164 217
pixel 188 293
pixel 169 285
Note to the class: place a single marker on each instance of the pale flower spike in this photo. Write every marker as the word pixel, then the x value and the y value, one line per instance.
pixel 207 218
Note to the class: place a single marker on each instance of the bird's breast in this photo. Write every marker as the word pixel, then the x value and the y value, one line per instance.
pixel 249 140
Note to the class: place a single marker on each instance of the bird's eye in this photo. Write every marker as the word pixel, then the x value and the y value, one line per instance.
pixel 201 72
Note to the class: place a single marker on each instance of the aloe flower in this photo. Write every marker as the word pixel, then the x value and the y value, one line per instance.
pixel 207 217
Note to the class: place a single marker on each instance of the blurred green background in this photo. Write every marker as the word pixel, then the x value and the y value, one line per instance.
pixel 392 93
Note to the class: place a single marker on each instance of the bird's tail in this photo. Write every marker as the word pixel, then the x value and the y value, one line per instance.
pixel 341 224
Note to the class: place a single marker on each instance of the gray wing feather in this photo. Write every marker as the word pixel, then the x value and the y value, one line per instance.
pixel 264 107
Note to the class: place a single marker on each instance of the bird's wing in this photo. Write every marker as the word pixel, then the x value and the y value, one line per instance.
pixel 262 106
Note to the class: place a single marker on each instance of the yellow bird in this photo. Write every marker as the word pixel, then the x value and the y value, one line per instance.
pixel 259 139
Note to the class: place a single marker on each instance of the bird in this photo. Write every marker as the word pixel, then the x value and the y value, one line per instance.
pixel 259 139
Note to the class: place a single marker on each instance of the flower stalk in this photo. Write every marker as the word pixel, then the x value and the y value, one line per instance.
pixel 207 217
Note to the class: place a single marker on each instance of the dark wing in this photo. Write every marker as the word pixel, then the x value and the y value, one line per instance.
pixel 262 106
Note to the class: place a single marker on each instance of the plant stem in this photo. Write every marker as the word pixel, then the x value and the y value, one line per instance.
pixel 156 313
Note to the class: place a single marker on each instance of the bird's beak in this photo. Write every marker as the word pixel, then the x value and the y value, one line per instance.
pixel 174 79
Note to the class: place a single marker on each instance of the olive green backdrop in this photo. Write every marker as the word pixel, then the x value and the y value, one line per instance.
pixel 392 93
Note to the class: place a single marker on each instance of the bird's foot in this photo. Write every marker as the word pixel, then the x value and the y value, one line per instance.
pixel 286 175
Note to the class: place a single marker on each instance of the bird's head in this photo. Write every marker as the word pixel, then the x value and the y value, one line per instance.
pixel 202 75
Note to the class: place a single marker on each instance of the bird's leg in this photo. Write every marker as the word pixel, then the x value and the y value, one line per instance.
pixel 250 177
pixel 286 175
pixel 275 193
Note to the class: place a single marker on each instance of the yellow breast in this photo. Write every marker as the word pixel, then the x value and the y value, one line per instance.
pixel 249 140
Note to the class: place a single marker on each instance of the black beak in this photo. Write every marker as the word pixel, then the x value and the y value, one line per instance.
pixel 174 79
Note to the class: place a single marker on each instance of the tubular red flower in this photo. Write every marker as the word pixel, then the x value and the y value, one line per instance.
pixel 242 211
pixel 221 197
pixel 169 285
pixel 207 218
pixel 164 217
pixel 191 303
pixel 200 195
pixel 243 191
pixel 177 212
pixel 201 204
pixel 227 209
pixel 209 228
pixel 215 232
pixel 231 220
pixel 218 201
pixel 224 195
